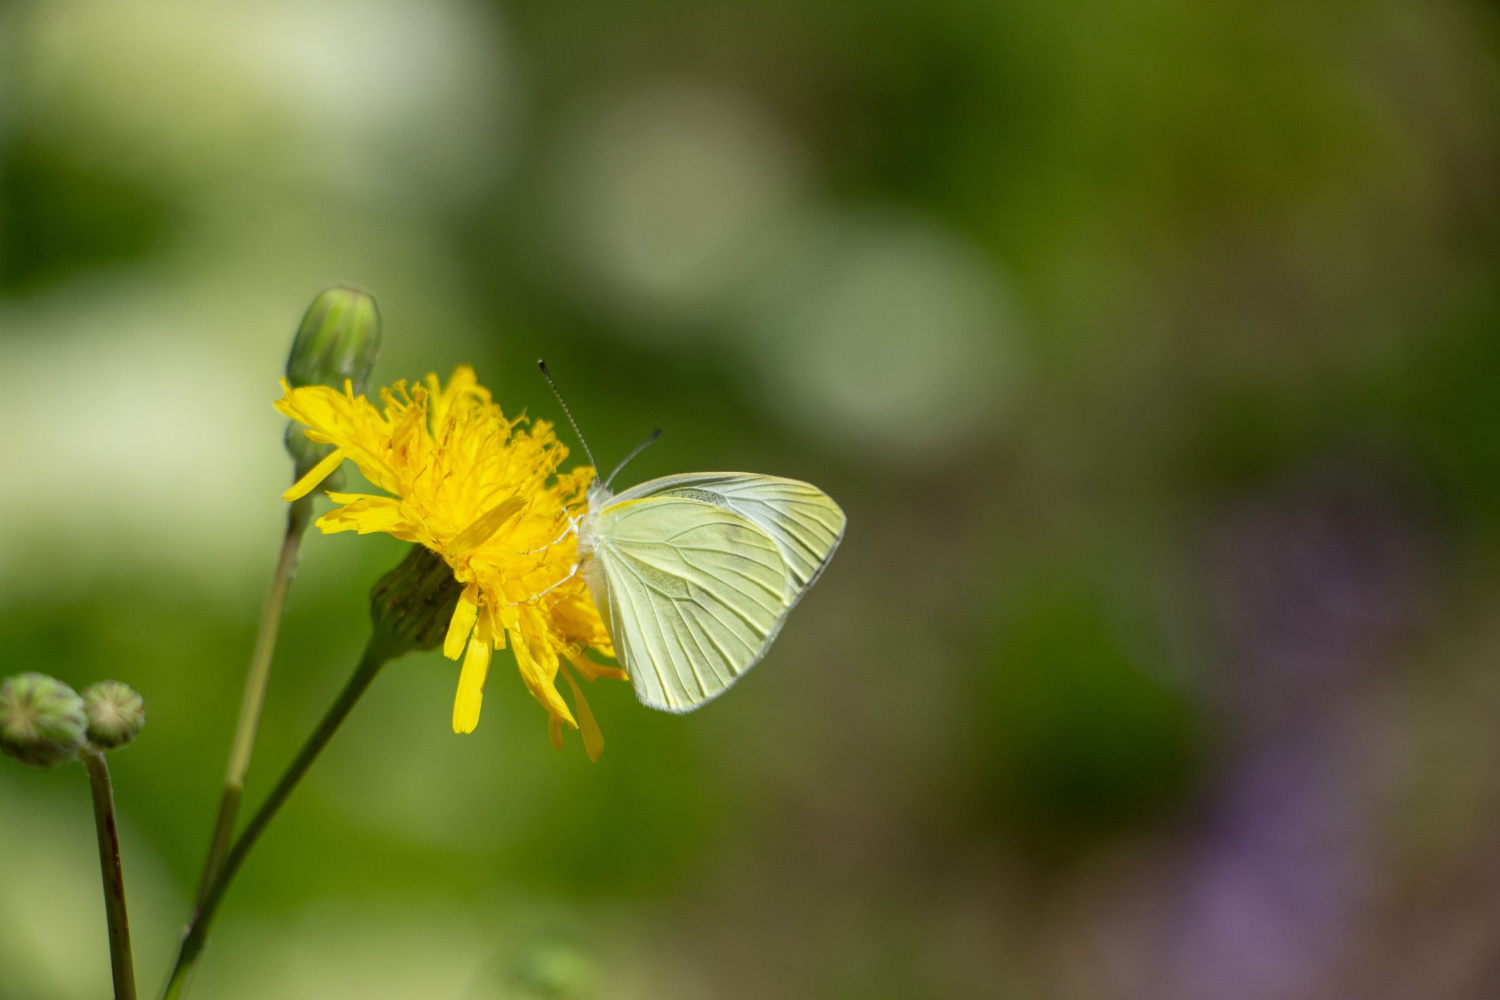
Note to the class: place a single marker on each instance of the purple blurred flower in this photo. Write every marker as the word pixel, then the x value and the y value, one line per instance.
pixel 1262 900
pixel 1311 584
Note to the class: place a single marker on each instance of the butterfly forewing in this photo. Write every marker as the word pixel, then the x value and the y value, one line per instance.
pixel 693 593
pixel 804 521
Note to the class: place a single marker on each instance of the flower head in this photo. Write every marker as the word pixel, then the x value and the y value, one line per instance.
pixel 487 495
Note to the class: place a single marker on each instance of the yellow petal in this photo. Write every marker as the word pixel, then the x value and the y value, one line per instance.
pixel 539 682
pixel 554 731
pixel 354 426
pixel 490 627
pixel 464 616
pixel 486 525
pixel 593 739
pixel 365 514
pixel 590 670
pixel 319 472
pixel 471 687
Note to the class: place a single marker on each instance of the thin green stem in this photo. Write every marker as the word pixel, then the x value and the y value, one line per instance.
pixel 376 655
pixel 121 964
pixel 254 698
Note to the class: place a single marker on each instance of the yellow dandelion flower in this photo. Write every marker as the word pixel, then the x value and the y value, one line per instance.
pixel 485 493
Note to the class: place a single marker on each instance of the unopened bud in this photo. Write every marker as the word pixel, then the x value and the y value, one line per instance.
pixel 42 721
pixel 338 341
pixel 115 713
pixel 412 605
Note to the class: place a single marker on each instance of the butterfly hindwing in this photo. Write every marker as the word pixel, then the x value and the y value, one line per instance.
pixel 693 593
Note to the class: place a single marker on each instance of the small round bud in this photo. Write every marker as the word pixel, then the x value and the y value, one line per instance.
pixel 338 341
pixel 42 720
pixel 115 713
pixel 412 605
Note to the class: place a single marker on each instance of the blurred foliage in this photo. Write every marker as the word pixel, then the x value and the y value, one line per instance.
pixel 1151 349
pixel 64 215
pixel 1082 739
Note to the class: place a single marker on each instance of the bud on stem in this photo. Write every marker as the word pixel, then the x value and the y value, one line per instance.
pixel 115 713
pixel 338 341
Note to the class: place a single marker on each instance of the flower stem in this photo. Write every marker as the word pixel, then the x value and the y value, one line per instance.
pixel 254 698
pixel 377 654
pixel 121 964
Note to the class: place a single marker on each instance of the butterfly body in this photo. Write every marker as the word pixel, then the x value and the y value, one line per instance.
pixel 695 574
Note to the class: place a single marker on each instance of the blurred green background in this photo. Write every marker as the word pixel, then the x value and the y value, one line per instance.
pixel 1152 348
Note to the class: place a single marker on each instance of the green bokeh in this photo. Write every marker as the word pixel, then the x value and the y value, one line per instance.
pixel 1074 308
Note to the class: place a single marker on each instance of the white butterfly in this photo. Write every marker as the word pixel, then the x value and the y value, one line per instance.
pixel 695 574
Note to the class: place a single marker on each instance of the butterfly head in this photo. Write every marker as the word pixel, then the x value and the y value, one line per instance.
pixel 599 494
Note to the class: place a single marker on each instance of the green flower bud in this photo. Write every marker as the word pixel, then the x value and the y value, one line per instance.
pixel 338 341
pixel 115 713
pixel 412 605
pixel 42 721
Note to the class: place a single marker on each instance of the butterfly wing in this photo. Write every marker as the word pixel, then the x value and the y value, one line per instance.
pixel 805 523
pixel 693 593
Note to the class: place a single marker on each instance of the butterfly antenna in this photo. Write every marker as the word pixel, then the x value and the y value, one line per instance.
pixel 638 449
pixel 548 376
